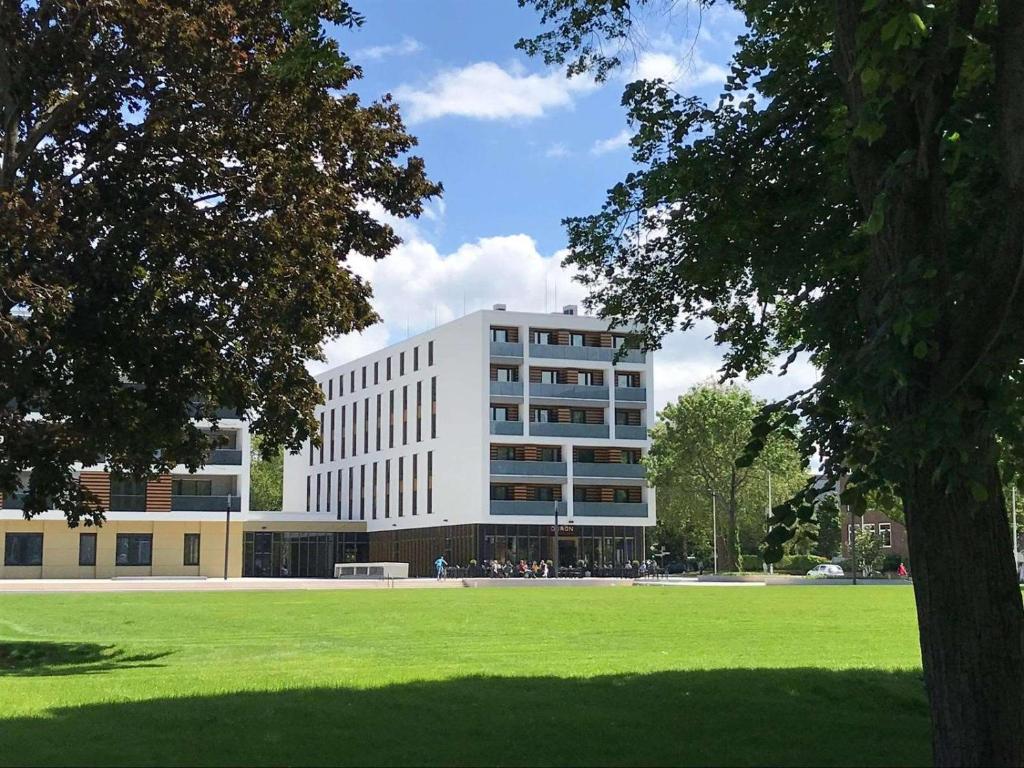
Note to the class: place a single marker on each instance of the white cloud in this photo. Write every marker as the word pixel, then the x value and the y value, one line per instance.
pixel 417 283
pixel 681 67
pixel 405 47
pixel 618 141
pixel 557 150
pixel 486 91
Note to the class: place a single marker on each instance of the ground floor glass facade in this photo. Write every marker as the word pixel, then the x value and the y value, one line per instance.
pixel 301 554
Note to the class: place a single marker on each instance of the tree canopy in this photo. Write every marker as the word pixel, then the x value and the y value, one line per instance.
pixel 181 184
pixel 695 446
pixel 856 195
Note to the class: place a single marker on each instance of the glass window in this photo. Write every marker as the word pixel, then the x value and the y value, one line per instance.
pixel 499 413
pixel 618 341
pixel 500 492
pixel 191 549
pixel 622 417
pixel 499 334
pixel 505 453
pixel 587 378
pixel 415 358
pixel 543 337
pixel 629 457
pixel 23 549
pixel 575 339
pixel 578 417
pixel 548 377
pixel 549 454
pixel 586 455
pixel 87 549
pixel 430 353
pixel 187 486
pixel 579 494
pixel 134 549
pixel 546 415
pixel 544 493
pixel 507 374
pixel 621 495
pixel 401 363
pixel 885 533
pixel 127 494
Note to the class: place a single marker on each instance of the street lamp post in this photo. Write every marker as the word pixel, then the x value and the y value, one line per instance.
pixel 227 535
pixel 768 514
pixel 555 558
pixel 1013 508
pixel 714 527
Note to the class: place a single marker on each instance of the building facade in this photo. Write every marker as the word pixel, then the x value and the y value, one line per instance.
pixel 172 525
pixel 473 438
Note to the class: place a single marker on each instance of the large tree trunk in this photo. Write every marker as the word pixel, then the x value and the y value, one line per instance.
pixel 970 618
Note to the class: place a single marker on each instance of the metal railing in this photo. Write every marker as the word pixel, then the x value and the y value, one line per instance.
pixel 608 469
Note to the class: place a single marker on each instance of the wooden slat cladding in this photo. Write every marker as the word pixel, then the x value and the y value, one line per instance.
pixel 564 415
pixel 604 455
pixel 606 340
pixel 511 409
pixel 513 332
pixel 512 368
pixel 500 452
pixel 158 494
pixel 567 375
pixel 98 483
pixel 606 493
pixel 529 491
pixel 628 416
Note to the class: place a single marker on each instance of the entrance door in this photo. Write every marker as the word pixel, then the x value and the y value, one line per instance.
pixel 262 555
pixel 567 553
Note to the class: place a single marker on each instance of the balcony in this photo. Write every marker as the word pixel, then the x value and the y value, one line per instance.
pixel 567 429
pixel 595 354
pixel 626 432
pixel 231 456
pixel 506 349
pixel 608 469
pixel 507 388
pixel 569 391
pixel 609 509
pixel 127 502
pixel 531 508
pixel 14 501
pixel 506 427
pixel 204 503
pixel 632 394
pixel 545 468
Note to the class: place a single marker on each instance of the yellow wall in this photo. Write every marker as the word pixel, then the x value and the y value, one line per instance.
pixel 60 549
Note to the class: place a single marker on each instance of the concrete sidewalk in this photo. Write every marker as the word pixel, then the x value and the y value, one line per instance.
pixel 21 586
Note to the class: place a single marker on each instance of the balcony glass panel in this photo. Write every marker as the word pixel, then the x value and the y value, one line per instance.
pixel 127 502
pixel 625 432
pixel 506 427
pixel 632 394
pixel 533 508
pixel 507 388
pixel 552 468
pixel 506 349
pixel 572 391
pixel 609 509
pixel 225 456
pixel 204 503
pixel 565 429
pixel 596 354
pixel 586 469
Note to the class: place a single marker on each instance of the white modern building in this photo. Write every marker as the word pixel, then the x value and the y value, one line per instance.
pixel 470 438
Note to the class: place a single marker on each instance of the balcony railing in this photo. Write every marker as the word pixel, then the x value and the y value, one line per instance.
pixel 531 508
pixel 567 429
pixel 225 456
pixel 506 427
pixel 570 391
pixel 596 354
pixel 506 349
pixel 633 394
pixel 609 509
pixel 608 469
pixel 546 468
pixel 627 432
pixel 507 388
pixel 127 502
pixel 204 503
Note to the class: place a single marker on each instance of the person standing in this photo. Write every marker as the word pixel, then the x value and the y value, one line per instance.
pixel 440 564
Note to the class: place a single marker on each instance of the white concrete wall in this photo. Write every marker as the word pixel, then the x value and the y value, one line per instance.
pixel 461 450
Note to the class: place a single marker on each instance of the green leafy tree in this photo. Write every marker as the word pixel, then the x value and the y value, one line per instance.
pixel 266 478
pixel 856 195
pixel 694 449
pixel 181 184
pixel 830 527
pixel 869 552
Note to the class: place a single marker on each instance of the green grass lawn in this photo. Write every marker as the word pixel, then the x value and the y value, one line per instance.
pixel 625 676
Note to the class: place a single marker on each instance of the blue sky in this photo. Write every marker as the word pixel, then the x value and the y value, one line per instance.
pixel 517 147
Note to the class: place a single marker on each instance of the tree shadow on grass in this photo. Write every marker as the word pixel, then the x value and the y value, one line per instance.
pixel 32 658
pixel 714 717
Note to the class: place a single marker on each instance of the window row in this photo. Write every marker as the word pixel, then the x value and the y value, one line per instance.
pixel 357 492
pixel 580 455
pixel 882 530
pixel 340 431
pixel 130 549
pixel 374 370
pixel 558 337
pixel 589 378
pixel 558 415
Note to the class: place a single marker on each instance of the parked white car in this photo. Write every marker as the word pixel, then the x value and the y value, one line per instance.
pixel 826 571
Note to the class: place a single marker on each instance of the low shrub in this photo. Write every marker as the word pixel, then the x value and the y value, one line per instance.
pixel 751 562
pixel 799 564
